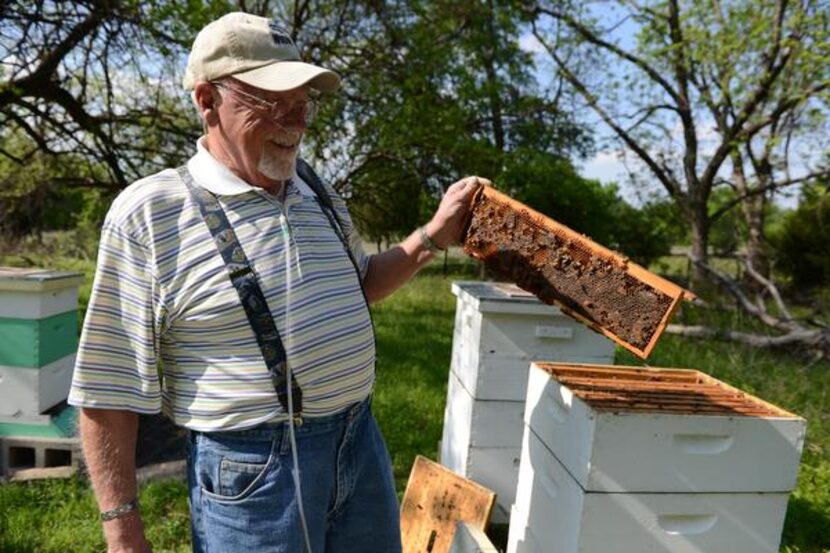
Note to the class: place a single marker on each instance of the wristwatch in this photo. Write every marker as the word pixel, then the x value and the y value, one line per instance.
pixel 427 242
pixel 120 511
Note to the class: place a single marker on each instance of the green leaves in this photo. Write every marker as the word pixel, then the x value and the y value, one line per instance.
pixel 802 244
pixel 440 90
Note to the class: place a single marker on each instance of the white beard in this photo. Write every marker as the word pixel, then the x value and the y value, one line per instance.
pixel 277 168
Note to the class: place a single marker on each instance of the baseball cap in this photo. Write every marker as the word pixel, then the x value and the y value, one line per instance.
pixel 255 50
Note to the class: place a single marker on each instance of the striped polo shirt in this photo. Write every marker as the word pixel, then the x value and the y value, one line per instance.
pixel 165 329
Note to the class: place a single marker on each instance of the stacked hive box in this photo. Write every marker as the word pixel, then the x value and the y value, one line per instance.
pixel 665 461
pixel 499 329
pixel 38 341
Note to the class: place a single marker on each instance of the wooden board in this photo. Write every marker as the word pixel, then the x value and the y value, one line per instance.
pixel 436 499
pixel 597 286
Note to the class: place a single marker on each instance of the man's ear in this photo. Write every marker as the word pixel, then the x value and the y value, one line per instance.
pixel 207 99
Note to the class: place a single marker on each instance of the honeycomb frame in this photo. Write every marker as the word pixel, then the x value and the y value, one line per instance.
pixel 593 284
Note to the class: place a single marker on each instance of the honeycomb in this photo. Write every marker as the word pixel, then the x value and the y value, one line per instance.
pixel 669 391
pixel 587 281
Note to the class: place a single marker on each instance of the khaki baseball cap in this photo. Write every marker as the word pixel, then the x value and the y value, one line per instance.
pixel 255 50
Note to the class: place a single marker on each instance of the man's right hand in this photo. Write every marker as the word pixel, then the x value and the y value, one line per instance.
pixel 126 535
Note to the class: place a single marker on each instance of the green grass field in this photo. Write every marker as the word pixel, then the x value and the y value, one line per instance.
pixel 414 330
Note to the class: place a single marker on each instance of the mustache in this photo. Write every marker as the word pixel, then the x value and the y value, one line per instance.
pixel 285 136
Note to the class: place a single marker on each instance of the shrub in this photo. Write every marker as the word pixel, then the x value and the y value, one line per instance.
pixel 802 244
pixel 551 185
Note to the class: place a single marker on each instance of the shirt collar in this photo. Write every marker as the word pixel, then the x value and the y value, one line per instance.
pixel 215 177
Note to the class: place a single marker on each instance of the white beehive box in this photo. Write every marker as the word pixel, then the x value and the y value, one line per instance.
pixel 650 460
pixel 552 509
pixel 649 430
pixel 482 441
pixel 499 329
pixel 26 393
pixel 25 298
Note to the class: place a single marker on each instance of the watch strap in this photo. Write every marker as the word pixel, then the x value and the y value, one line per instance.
pixel 427 242
pixel 120 511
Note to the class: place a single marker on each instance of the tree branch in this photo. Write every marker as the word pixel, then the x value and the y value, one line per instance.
pixel 672 186
pixel 763 189
pixel 31 83
pixel 732 287
pixel 817 338
pixel 589 35
pixel 771 288
pixel 684 107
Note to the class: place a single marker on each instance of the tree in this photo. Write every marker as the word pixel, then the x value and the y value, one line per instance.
pixel 431 91
pixel 96 82
pixel 552 186
pixel 31 201
pixel 436 90
pixel 384 204
pixel 708 85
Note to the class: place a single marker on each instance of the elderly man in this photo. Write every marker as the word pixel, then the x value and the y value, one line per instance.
pixel 233 294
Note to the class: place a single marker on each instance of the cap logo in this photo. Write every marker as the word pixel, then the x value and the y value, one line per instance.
pixel 279 34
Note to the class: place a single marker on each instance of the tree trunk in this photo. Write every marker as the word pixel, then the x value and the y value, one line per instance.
pixel 488 56
pixel 700 245
pixel 752 209
pixel 756 241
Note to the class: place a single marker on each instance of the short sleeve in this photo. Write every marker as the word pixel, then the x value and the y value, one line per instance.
pixel 116 366
pixel 355 242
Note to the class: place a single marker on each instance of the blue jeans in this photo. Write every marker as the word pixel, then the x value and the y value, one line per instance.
pixel 242 497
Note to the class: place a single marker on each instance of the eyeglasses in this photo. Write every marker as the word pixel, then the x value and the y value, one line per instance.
pixel 278 110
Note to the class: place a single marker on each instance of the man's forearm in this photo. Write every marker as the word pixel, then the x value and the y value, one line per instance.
pixel 391 269
pixel 108 438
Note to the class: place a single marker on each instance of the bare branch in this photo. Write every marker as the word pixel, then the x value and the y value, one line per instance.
pixel 771 288
pixel 29 85
pixel 745 303
pixel 764 189
pixel 592 38
pixel 646 112
pixel 671 185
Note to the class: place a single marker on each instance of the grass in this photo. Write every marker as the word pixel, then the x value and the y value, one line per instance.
pixel 414 330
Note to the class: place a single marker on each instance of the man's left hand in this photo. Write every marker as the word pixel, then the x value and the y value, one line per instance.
pixel 447 224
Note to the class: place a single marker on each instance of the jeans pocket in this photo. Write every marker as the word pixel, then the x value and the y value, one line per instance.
pixel 230 472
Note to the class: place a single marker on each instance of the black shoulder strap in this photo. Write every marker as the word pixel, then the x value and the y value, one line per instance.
pixel 309 176
pixel 313 181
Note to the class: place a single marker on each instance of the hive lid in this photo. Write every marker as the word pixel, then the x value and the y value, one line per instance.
pixel 589 282
pixel 37 280
pixel 622 389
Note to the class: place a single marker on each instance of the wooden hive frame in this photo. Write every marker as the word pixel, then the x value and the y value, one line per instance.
pixel 436 499
pixel 499 245
pixel 618 388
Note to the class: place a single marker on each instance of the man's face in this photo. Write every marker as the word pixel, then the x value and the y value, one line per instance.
pixel 261 140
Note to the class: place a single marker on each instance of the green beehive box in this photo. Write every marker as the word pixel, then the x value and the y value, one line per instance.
pixel 34 343
pixel 38 338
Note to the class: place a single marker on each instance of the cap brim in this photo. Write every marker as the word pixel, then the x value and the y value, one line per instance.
pixel 288 75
